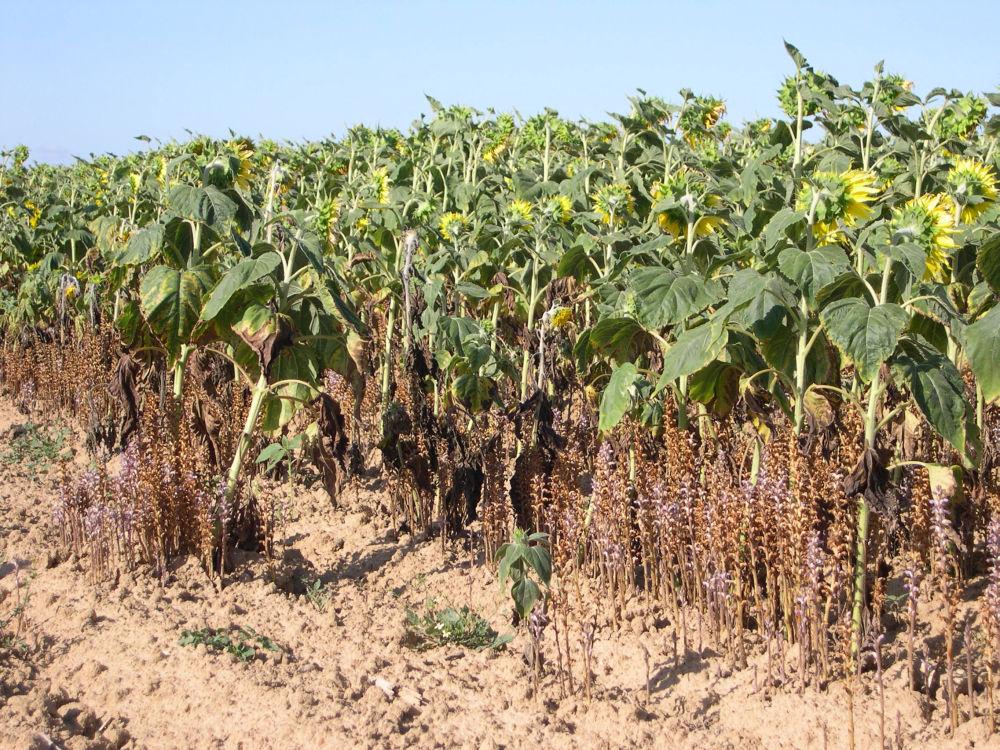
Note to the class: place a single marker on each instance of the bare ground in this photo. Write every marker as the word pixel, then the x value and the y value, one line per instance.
pixel 102 667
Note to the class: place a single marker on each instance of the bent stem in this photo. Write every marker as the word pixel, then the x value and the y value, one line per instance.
pixel 246 437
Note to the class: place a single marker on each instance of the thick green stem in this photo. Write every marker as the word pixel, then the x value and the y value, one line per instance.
pixel 269 208
pixel 864 512
pixel 526 357
pixel 682 390
pixel 387 355
pixel 871 415
pixel 246 437
pixel 548 149
pixel 494 319
pixel 179 366
pixel 196 239
pixel 866 151
pixel 805 343
pixel 801 355
pixel 952 343
pixel 860 575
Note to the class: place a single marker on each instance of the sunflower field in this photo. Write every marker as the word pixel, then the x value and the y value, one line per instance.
pixel 748 375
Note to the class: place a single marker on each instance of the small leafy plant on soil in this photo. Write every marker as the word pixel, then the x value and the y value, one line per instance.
pixel 450 627
pixel 243 643
pixel 34 447
pixel 524 556
pixel 318 595
pixel 12 622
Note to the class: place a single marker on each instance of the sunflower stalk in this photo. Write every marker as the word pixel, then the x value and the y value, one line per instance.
pixel 864 510
pixel 532 303
pixel 805 343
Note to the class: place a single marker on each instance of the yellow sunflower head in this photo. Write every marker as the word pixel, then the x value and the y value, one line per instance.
pixel 811 82
pixel 380 185
pixel 494 152
pixel 959 118
pixel 707 224
pixel 161 171
pixel 452 225
pixel 893 86
pixel 693 203
pixel 34 213
pixel 712 112
pixel 520 211
pixel 927 221
pixel 326 214
pixel 499 138
pixel 562 317
pixel 836 198
pixel 614 203
pixel 672 221
pixel 973 186
pixel 559 208
pixel 241 155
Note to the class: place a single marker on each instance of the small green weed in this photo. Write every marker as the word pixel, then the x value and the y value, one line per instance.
pixel 318 595
pixel 10 640
pixel 35 447
pixel 243 643
pixel 450 627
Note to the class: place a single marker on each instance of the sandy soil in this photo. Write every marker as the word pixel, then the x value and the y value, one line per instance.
pixel 104 669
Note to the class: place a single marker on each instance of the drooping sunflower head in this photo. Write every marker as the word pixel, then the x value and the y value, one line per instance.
pixel 960 117
pixel 892 87
pixel 613 203
pixel 558 208
pixel 34 213
pixel 230 165
pixel 380 185
pixel 452 225
pixel 161 170
pixel 243 151
pixel 494 151
pixel 928 222
pixel 699 119
pixel 693 204
pixel 973 186
pixel 20 156
pixel 714 110
pixel 813 82
pixel 671 221
pixel 326 215
pixel 498 135
pixel 561 317
pixel 853 118
pixel 836 198
pixel 520 212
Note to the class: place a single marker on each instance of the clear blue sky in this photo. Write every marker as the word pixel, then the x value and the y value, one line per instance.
pixel 78 77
